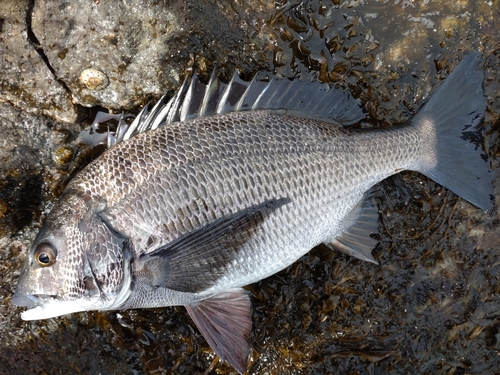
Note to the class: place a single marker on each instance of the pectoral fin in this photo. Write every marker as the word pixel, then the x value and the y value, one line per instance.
pixel 196 260
pixel 225 322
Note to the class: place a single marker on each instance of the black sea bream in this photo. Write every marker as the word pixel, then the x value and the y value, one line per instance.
pixel 225 185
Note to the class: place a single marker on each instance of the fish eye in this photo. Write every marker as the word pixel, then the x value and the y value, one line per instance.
pixel 45 254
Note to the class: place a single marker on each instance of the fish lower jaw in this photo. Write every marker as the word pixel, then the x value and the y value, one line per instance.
pixel 53 310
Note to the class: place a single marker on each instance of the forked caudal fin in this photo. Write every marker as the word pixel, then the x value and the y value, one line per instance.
pixel 452 117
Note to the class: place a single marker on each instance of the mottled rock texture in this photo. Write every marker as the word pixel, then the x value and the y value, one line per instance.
pixel 144 47
pixel 26 79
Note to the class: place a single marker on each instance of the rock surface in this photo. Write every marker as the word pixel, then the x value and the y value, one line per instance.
pixel 143 48
pixel 36 157
pixel 26 79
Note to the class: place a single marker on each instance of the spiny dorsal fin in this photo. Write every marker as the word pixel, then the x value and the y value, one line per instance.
pixel 212 93
pixel 195 99
pixel 235 90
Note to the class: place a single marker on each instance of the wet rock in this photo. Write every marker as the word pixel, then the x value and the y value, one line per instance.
pixel 144 49
pixel 26 79
pixel 34 159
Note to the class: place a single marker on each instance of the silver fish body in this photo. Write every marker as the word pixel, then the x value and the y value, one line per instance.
pixel 163 184
pixel 189 212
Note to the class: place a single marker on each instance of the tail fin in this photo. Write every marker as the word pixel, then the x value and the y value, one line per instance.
pixel 453 115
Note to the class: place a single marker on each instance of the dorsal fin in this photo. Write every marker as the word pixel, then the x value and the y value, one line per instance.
pixel 212 93
pixel 235 90
pixel 195 99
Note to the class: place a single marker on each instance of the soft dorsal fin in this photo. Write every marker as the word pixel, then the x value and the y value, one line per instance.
pixel 195 99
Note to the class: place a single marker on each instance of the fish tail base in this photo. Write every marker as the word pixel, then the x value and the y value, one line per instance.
pixel 450 124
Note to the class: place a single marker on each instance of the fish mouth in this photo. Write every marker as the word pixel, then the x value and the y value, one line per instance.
pixel 45 306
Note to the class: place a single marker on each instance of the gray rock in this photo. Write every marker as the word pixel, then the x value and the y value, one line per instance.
pixel 25 78
pixel 144 48
pixel 35 157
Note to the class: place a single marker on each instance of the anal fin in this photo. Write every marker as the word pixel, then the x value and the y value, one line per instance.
pixel 356 240
pixel 225 322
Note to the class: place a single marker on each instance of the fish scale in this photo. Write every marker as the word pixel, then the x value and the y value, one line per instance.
pixel 291 156
pixel 224 185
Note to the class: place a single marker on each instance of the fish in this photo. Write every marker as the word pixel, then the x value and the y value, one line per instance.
pixel 223 185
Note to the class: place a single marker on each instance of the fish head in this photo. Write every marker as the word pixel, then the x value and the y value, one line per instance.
pixel 76 263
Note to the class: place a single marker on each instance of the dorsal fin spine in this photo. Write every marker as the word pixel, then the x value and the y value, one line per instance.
pixel 239 104
pixel 256 105
pixel 176 101
pixel 141 117
pixel 194 99
pixel 230 93
pixel 208 97
pixel 162 113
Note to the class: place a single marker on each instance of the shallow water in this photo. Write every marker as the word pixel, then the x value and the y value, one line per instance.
pixel 430 306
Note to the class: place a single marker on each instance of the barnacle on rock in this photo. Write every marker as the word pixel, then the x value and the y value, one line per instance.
pixel 94 79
